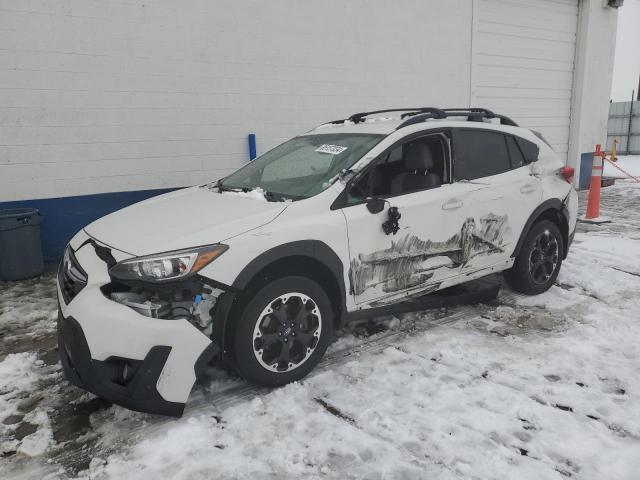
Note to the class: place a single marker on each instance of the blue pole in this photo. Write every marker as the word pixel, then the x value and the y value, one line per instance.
pixel 252 146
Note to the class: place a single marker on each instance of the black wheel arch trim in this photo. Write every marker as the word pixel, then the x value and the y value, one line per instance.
pixel 313 249
pixel 554 204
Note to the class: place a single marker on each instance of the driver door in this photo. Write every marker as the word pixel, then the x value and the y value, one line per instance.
pixel 427 247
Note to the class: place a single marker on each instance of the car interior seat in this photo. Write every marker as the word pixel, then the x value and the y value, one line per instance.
pixel 418 174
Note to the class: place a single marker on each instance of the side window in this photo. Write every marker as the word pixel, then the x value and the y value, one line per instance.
pixel 479 153
pixel 418 164
pixel 360 190
pixel 517 159
pixel 529 149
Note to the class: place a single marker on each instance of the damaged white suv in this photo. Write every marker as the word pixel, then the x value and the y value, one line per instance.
pixel 260 268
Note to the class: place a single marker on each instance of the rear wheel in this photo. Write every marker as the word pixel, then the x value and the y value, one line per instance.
pixel 283 331
pixel 537 265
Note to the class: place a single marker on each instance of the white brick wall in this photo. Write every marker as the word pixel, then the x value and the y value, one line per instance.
pixel 114 95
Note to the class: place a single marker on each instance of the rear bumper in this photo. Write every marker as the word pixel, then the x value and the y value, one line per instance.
pixel 127 382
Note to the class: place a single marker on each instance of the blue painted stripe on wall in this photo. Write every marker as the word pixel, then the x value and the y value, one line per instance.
pixel 252 146
pixel 64 217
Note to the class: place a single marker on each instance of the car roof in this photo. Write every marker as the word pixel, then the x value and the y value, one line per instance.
pixel 386 122
pixel 386 126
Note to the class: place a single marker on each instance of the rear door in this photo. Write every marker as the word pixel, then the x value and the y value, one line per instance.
pixel 506 196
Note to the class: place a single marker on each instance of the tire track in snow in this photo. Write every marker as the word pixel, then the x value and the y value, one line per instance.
pixel 77 457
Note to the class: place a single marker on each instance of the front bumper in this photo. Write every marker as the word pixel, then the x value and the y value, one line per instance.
pixel 134 388
pixel 141 363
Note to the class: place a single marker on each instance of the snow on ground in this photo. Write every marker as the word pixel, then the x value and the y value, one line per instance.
pixel 542 387
pixel 628 163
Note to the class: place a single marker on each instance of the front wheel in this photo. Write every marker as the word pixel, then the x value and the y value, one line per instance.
pixel 537 265
pixel 283 331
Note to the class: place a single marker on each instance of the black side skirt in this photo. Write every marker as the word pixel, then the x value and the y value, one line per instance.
pixel 476 291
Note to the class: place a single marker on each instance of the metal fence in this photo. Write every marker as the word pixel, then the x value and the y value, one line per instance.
pixel 624 125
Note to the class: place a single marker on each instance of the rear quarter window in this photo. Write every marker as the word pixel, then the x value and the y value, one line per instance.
pixel 529 149
pixel 517 158
pixel 479 153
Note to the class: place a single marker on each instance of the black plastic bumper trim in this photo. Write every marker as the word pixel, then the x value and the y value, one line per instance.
pixel 139 393
pixel 205 358
pixel 569 242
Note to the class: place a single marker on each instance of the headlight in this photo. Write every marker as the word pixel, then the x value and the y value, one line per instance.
pixel 167 266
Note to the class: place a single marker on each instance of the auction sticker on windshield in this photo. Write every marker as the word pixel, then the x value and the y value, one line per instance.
pixel 331 149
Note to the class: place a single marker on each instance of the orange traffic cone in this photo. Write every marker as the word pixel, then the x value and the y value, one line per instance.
pixel 593 203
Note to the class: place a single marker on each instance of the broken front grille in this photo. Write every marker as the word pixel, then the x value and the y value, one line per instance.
pixel 71 277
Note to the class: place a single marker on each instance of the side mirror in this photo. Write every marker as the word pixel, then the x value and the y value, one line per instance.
pixel 375 205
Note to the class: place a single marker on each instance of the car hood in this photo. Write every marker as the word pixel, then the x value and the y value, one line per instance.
pixel 185 218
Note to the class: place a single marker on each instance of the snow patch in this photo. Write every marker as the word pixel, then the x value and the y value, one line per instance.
pixel 255 194
pixel 38 442
pixel 17 371
pixel 629 163
pixel 18 377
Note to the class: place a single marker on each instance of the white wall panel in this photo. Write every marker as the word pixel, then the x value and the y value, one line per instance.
pixel 111 95
pixel 101 95
pixel 523 62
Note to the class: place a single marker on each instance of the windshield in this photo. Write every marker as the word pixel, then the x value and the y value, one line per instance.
pixel 303 166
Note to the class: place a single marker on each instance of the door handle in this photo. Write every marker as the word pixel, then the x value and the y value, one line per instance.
pixel 528 188
pixel 452 205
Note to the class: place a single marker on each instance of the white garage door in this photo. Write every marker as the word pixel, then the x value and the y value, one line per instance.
pixel 523 55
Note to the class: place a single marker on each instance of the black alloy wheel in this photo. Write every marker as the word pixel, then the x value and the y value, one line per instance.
pixel 287 332
pixel 538 263
pixel 283 331
pixel 543 258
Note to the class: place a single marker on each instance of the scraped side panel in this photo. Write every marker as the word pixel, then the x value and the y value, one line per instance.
pixel 411 262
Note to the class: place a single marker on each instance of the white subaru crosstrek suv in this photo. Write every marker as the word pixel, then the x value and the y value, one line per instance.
pixel 355 217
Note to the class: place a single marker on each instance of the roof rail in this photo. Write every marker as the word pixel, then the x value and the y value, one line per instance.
pixel 472 114
pixel 486 113
pixel 359 117
pixel 420 114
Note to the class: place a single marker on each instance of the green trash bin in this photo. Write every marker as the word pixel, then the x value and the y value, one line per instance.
pixel 20 247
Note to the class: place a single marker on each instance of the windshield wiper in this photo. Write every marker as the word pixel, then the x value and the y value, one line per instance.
pixel 224 188
pixel 279 197
pixel 269 196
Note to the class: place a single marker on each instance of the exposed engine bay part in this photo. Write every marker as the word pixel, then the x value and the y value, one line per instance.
pixel 142 303
pixel 194 301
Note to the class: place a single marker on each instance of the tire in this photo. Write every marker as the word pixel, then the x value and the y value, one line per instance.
pixel 283 332
pixel 537 265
